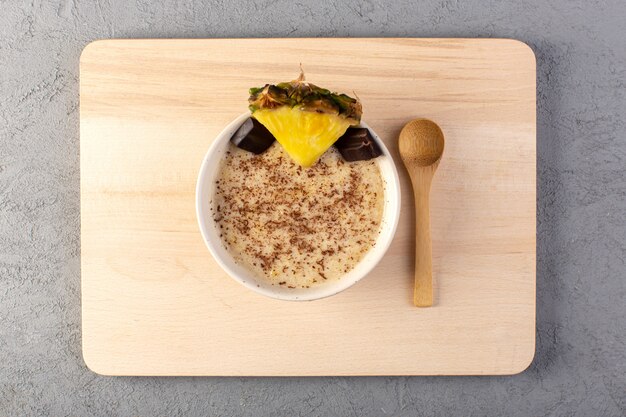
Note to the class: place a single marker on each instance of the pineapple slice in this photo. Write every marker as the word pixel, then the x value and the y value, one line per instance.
pixel 304 118
pixel 304 135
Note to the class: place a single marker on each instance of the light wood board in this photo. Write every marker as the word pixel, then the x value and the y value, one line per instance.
pixel 154 302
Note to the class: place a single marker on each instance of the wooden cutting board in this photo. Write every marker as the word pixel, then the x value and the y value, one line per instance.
pixel 154 302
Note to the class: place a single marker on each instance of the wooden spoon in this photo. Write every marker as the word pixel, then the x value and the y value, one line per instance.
pixel 421 146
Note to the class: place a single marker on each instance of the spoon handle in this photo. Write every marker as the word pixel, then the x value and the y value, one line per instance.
pixel 423 293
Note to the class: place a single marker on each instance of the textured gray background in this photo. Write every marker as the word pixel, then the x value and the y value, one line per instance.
pixel 580 365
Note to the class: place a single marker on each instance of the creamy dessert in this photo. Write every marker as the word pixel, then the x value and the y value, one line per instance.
pixel 293 226
pixel 299 197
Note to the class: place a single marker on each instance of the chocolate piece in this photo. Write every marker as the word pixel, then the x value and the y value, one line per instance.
pixel 253 137
pixel 357 144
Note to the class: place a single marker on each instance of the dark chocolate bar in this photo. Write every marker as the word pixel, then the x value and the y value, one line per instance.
pixel 358 144
pixel 253 137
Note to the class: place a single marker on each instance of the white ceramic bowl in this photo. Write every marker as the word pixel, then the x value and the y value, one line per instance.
pixel 210 233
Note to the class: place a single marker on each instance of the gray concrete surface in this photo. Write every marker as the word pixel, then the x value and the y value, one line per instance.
pixel 580 365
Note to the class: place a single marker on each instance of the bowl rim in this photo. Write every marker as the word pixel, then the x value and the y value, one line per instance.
pixel 377 252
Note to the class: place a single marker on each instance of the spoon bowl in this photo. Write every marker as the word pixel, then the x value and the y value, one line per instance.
pixel 421 143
